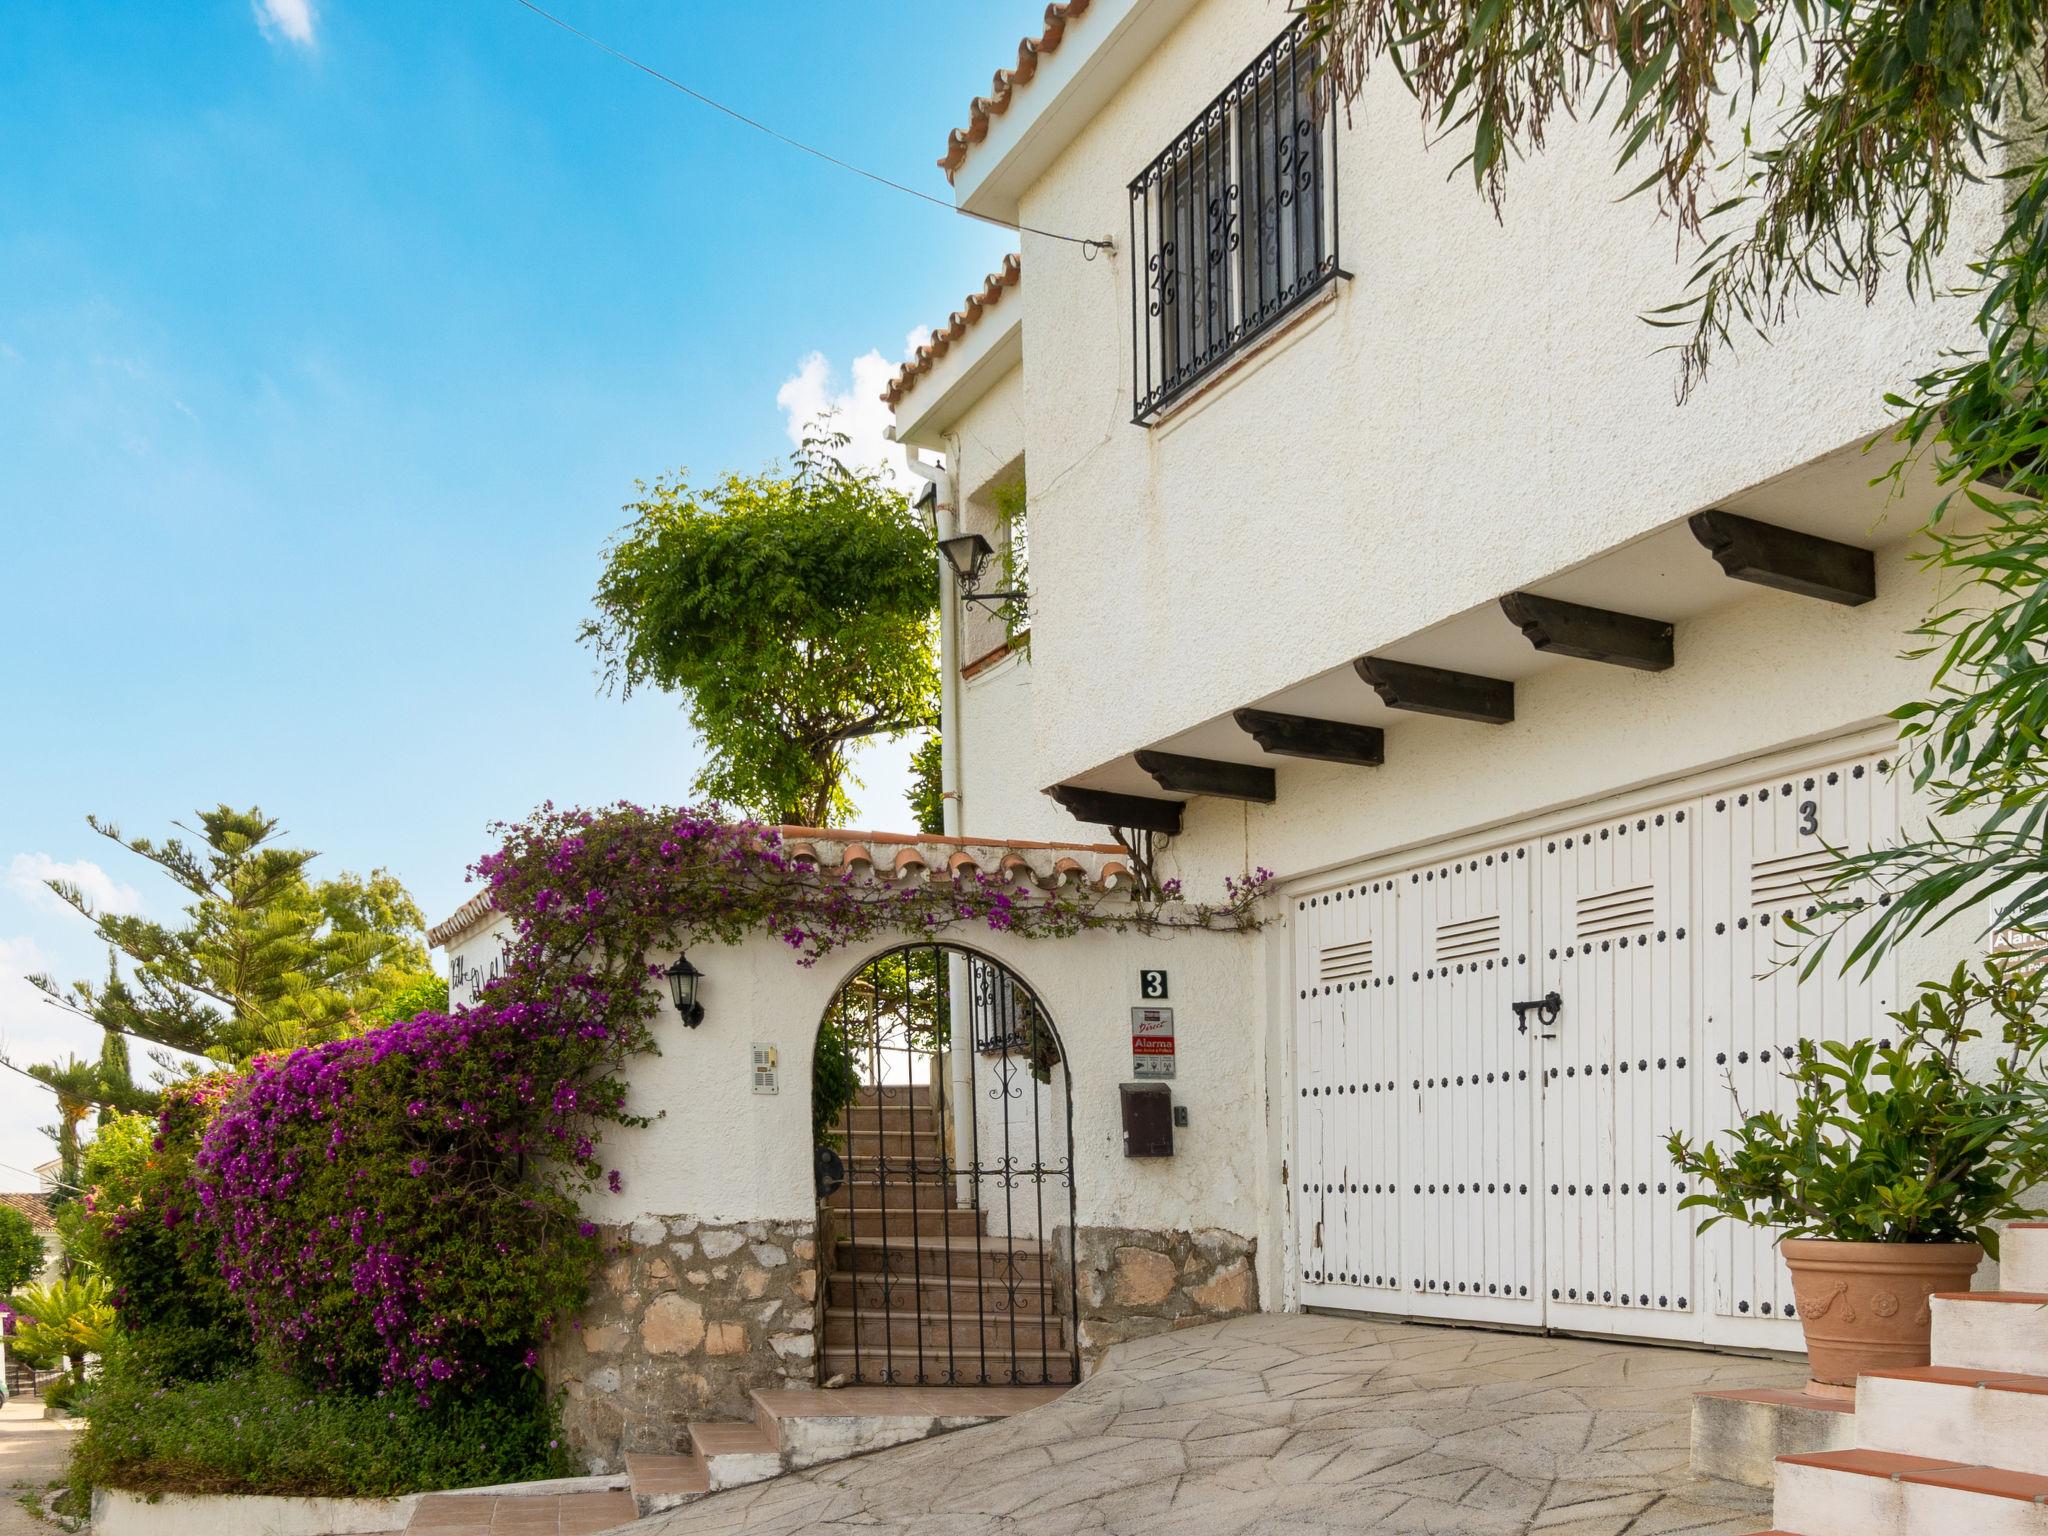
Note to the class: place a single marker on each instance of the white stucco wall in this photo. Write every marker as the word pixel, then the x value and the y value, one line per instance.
pixel 720 1152
pixel 1479 408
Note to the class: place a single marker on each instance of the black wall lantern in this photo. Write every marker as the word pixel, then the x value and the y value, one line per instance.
pixel 969 554
pixel 682 985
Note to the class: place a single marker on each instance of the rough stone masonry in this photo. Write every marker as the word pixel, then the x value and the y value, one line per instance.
pixel 1134 1281
pixel 686 1319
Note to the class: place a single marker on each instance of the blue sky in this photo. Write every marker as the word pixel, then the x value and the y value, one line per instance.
pixel 333 333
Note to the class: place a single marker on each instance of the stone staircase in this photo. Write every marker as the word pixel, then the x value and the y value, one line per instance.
pixel 1955 1448
pixel 918 1290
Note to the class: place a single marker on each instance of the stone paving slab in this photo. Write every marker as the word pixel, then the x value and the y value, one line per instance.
pixel 1292 1425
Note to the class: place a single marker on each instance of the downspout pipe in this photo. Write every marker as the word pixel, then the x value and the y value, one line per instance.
pixel 946 515
pixel 960 1022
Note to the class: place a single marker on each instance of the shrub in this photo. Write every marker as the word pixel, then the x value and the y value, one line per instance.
pixel 259 1431
pixel 181 1322
pixel 1900 1141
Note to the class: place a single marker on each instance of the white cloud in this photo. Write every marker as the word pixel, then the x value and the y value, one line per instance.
pixel 27 872
pixel 291 20
pixel 7 351
pixel 857 410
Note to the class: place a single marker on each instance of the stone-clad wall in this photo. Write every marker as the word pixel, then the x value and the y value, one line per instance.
pixel 686 1318
pixel 1134 1282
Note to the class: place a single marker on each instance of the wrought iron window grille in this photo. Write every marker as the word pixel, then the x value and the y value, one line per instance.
pixel 1233 224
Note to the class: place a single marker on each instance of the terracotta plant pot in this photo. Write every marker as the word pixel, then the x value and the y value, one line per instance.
pixel 1864 1305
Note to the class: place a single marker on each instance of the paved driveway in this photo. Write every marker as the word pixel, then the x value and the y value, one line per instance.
pixel 32 1452
pixel 1300 1426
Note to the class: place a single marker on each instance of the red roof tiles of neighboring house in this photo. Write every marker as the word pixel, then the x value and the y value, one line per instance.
pixel 998 282
pixel 36 1207
pixel 1029 51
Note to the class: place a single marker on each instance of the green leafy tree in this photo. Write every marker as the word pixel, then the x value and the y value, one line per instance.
pixel 1809 147
pixel 927 793
pixel 793 611
pixel 21 1250
pixel 264 957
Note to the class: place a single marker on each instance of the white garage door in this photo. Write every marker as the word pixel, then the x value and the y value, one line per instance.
pixel 1453 1159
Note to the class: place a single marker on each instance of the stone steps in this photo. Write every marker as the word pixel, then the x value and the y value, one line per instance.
pixel 910 1221
pixel 930 1292
pixel 1884 1493
pixel 990 1257
pixel 965 1330
pixel 903 1367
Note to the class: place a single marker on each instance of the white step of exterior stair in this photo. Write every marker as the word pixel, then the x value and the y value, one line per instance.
pixel 1845 1493
pixel 735 1454
pixel 1980 1417
pixel 1882 1493
pixel 2023 1257
pixel 2004 1332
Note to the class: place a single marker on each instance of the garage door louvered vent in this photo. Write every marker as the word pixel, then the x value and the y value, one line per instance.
pixel 1347 962
pixel 1618 911
pixel 1795 877
pixel 1472 938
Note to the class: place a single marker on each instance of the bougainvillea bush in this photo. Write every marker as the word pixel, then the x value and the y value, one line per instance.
pixel 396 1217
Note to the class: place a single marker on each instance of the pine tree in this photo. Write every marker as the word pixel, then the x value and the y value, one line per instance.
pixel 264 958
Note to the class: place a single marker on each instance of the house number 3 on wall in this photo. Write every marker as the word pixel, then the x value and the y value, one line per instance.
pixel 1809 819
pixel 1151 985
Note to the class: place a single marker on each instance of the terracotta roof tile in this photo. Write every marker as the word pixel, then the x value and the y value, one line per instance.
pixel 1058 17
pixel 36 1207
pixel 976 304
pixel 906 856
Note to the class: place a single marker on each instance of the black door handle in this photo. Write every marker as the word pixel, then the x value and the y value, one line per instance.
pixel 1546 1008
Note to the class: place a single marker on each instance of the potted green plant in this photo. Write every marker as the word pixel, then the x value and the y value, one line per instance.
pixel 1896 1164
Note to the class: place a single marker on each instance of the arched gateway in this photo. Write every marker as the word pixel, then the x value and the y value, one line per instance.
pixel 945 1176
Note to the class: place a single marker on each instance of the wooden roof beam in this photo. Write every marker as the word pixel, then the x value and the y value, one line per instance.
pixel 1591 634
pixel 1328 741
pixel 1208 776
pixel 1102 807
pixel 1787 560
pixel 1437 691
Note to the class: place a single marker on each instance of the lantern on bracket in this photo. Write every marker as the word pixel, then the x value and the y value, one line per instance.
pixel 682 985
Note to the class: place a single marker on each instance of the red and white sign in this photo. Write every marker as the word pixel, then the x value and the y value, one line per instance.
pixel 1152 1042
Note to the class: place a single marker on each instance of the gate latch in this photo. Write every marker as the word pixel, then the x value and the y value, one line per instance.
pixel 1546 1008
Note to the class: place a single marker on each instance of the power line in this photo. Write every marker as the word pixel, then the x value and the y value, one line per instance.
pixel 54 1183
pixel 1089 246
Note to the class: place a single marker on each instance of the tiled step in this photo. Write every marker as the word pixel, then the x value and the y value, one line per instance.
pixel 662 1482
pixel 991 1257
pixel 1847 1493
pixel 1980 1417
pixel 2023 1257
pixel 866 1143
pixel 932 1292
pixel 812 1427
pixel 1739 1434
pixel 735 1454
pixel 893 1117
pixel 922 1220
pixel 1882 1493
pixel 528 1513
pixel 927 1192
pixel 904 1367
pixel 2005 1332
pixel 869 1095
pixel 966 1331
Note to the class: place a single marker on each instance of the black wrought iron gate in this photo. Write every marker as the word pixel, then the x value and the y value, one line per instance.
pixel 946 1177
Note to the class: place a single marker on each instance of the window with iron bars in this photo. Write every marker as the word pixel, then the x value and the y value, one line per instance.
pixel 1235 224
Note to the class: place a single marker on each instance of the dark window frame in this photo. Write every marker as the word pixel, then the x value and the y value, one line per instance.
pixel 1200 292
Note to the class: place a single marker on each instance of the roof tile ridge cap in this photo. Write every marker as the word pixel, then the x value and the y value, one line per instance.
pixel 982 108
